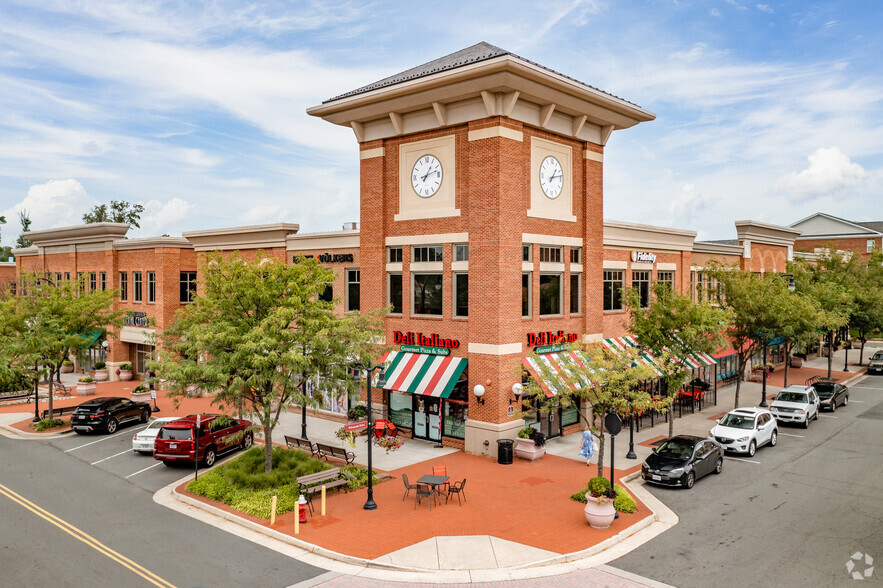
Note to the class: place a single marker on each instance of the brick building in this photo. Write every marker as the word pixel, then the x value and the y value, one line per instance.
pixel 823 231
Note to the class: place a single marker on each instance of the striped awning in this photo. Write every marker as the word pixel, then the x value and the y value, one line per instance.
pixel 421 373
pixel 619 344
pixel 553 370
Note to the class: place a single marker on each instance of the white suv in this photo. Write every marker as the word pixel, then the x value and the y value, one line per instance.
pixel 796 404
pixel 745 429
pixel 875 364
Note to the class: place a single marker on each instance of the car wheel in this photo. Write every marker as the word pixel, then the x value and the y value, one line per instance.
pixel 806 422
pixel 112 425
pixel 752 448
pixel 816 416
pixel 210 457
pixel 690 480
pixel 720 465
pixel 845 400
pixel 247 441
pixel 145 415
pixel 834 406
pixel 774 438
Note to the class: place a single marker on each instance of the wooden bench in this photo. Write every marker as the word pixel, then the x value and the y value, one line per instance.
pixel 57 412
pixel 326 451
pixel 57 387
pixel 309 485
pixel 22 396
pixel 303 444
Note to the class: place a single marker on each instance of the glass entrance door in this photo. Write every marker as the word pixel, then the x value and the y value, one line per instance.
pixel 427 418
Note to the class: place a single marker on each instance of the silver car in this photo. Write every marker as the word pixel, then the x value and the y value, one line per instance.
pixel 796 404
pixel 745 429
pixel 875 364
pixel 143 440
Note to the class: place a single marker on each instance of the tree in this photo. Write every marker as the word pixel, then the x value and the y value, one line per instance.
pixel 753 304
pixel 595 377
pixel 48 320
pixel 867 314
pixel 797 325
pixel 119 211
pixel 673 328
pixel 25 217
pixel 5 251
pixel 255 331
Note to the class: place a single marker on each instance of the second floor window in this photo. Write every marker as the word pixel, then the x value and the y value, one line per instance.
pixel 667 278
pixel 395 255
pixel 461 294
pixel 461 252
pixel 93 282
pixel 550 255
pixel 136 287
pixel 427 293
pixel 428 253
pixel 102 281
pixel 188 286
pixel 525 253
pixel 352 289
pixel 613 283
pixel 395 293
pixel 641 282
pixel 124 286
pixel 151 286
pixel 576 255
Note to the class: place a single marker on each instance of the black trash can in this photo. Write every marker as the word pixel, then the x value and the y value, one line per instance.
pixel 505 450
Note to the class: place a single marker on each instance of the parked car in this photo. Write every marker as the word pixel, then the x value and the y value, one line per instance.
pixel 176 441
pixel 875 364
pixel 796 404
pixel 107 413
pixel 743 430
pixel 831 395
pixel 682 460
pixel 143 440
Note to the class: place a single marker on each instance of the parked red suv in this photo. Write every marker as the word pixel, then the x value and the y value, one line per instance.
pixel 176 441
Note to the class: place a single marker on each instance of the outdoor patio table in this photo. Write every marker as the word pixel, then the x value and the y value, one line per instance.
pixel 433 481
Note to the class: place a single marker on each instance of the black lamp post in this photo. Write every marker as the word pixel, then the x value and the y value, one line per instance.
pixel 36 396
pixel 846 353
pixel 631 454
pixel 763 402
pixel 370 504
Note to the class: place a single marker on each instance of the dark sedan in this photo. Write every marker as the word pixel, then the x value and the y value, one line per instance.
pixel 107 413
pixel 682 460
pixel 831 395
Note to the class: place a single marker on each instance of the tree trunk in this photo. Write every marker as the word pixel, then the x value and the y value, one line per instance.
pixel 740 368
pixel 671 413
pixel 861 353
pixel 830 352
pixel 601 449
pixel 268 448
pixel 787 361
pixel 49 413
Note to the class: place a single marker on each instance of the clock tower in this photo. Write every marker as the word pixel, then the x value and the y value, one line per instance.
pixel 481 223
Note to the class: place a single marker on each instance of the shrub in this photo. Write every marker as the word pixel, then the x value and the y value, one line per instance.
pixel 357 476
pixel 48 424
pixel 597 486
pixel 100 365
pixel 86 379
pixel 140 389
pixel 526 433
pixel 624 502
pixel 356 413
pixel 66 362
pixel 126 367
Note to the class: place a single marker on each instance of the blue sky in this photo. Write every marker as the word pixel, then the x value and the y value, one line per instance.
pixel 196 110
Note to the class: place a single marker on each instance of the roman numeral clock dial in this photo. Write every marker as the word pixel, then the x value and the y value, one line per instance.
pixel 551 177
pixel 426 177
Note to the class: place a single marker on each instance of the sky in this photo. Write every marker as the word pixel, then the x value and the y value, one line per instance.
pixel 196 109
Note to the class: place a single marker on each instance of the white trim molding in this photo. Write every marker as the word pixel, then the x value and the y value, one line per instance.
pixel 551 240
pixel 498 131
pixel 492 349
pixel 428 239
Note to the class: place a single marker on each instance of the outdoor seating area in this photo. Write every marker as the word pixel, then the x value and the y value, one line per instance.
pixel 433 486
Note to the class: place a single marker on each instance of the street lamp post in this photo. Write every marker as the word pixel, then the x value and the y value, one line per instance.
pixel 763 402
pixel 36 396
pixel 370 504
pixel 631 454
pixel 846 353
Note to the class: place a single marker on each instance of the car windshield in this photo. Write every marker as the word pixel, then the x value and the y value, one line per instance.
pixel 738 421
pixel 155 425
pixel 175 434
pixel 676 448
pixel 878 355
pixel 825 390
pixel 791 397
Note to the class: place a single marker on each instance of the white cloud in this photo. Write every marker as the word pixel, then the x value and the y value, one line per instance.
pixel 56 203
pixel 714 12
pixel 164 217
pixel 690 203
pixel 266 214
pixel 765 8
pixel 829 171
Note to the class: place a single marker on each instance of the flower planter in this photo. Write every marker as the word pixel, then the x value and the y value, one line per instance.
pixel 67 368
pixel 856 344
pixel 599 516
pixel 86 388
pixel 796 362
pixel 526 449
pixel 140 396
pixel 125 375
pixel 100 376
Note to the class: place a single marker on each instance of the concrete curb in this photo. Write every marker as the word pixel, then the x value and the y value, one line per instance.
pixel 13 433
pixel 660 520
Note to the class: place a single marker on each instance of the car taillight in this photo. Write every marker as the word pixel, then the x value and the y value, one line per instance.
pixel 95 416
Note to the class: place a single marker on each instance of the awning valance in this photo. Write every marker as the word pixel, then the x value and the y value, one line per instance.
pixel 618 344
pixel 420 373
pixel 552 370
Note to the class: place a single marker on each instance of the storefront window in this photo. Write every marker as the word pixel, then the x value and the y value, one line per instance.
pixel 329 397
pixel 327 295
pixel 395 293
pixel 613 283
pixel 400 411
pixel 569 416
pixel 461 294
pixel 550 294
pixel 456 414
pixel 428 294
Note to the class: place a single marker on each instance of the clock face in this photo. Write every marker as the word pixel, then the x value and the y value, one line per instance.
pixel 426 177
pixel 551 177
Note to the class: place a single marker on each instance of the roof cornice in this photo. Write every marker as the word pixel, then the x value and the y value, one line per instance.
pixel 248 237
pixel 758 232
pixel 717 248
pixel 88 233
pixel 639 236
pixel 153 243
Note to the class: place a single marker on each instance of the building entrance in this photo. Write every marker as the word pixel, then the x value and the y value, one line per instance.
pixel 427 417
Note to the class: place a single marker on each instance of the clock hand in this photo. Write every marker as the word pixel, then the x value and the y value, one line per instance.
pixel 427 175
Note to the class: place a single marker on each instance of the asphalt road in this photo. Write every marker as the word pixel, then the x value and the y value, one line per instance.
pixel 793 515
pixel 79 511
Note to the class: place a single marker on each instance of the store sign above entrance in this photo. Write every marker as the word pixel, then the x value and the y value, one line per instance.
pixel 422 340
pixel 427 350
pixel 550 338
pixel 136 319
pixel 328 257
pixel 551 348
pixel 643 257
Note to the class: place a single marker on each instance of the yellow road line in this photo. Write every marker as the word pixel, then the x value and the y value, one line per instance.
pixel 85 538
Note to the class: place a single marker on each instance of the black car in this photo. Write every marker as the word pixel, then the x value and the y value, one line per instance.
pixel 107 413
pixel 831 395
pixel 682 460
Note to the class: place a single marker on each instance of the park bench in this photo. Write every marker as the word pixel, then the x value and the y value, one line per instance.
pixel 326 451
pixel 57 412
pixel 303 444
pixel 57 387
pixel 21 396
pixel 309 485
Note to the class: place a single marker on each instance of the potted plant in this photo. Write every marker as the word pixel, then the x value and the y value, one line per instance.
pixel 599 509
pixel 389 443
pixel 86 386
pixel 100 371
pixel 125 372
pixel 531 444
pixel 796 361
pixel 348 437
pixel 67 366
pixel 357 413
pixel 140 394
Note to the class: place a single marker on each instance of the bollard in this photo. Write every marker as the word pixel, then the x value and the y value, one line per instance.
pixel 296 522
pixel 323 500
pixel 273 512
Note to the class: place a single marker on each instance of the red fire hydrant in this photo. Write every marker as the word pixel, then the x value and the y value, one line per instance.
pixel 302 509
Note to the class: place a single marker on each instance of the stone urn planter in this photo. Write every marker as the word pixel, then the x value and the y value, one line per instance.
pixel 86 388
pixel 599 516
pixel 67 368
pixel 140 394
pixel 856 344
pixel 796 362
pixel 100 375
pixel 125 372
pixel 527 449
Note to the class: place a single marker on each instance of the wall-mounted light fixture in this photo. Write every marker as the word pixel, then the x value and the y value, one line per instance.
pixel 479 393
pixel 517 390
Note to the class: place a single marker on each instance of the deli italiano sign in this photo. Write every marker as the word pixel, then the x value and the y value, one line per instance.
pixel 419 339
pixel 550 338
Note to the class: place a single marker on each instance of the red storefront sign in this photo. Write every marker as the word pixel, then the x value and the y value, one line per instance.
pixel 433 340
pixel 549 338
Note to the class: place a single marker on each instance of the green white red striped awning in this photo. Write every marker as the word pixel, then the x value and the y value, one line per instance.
pixel 554 371
pixel 420 373
pixel 618 345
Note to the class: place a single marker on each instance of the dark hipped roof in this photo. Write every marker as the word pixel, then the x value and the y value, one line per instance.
pixel 873 225
pixel 474 54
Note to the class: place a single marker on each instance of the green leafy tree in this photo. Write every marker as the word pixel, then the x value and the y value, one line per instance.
pixel 25 218
pixel 48 321
pixel 119 211
pixel 5 251
pixel 797 325
pixel 595 377
pixel 673 328
pixel 255 331
pixel 867 312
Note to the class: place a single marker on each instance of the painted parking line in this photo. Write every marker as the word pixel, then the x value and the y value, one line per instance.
pixel 150 468
pixel 115 455
pixel 102 439
pixel 742 459
pixel 827 416
pixel 859 401
pixel 780 433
